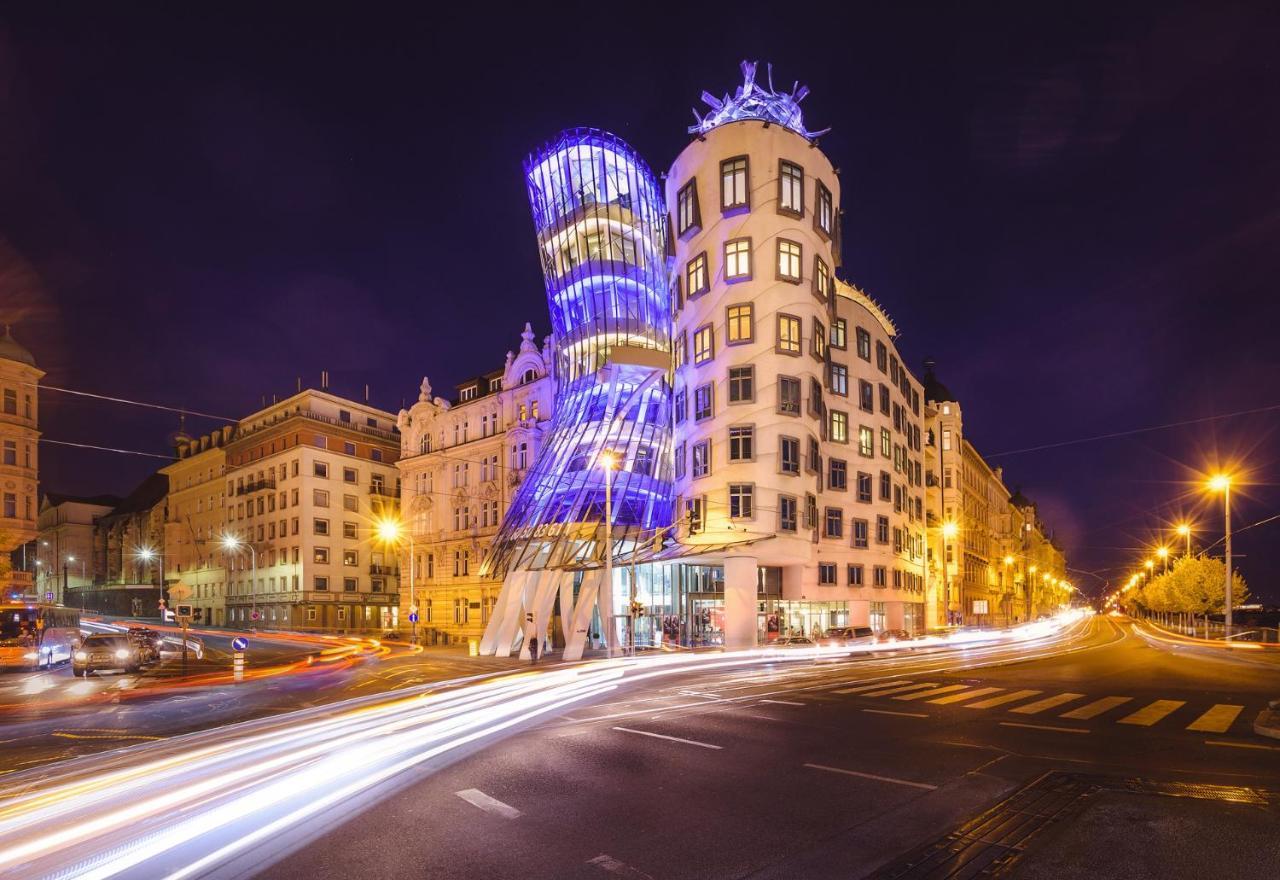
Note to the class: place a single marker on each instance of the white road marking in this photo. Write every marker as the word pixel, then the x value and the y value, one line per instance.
pixel 967 695
pixel 1097 707
pixel 934 692
pixel 1046 703
pixel 1045 727
pixel 478 798
pixel 1001 700
pixel 903 714
pixel 884 692
pixel 692 742
pixel 784 702
pixel 870 687
pixel 1220 742
pixel 926 786
pixel 1217 720
pixel 1151 713
pixel 613 866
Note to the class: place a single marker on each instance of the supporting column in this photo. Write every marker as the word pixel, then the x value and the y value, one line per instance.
pixel 895 616
pixel 741 585
pixel 540 604
pixel 859 612
pixel 504 619
pixel 576 636
pixel 513 619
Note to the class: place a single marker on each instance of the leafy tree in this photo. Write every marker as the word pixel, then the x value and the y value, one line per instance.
pixel 1199 587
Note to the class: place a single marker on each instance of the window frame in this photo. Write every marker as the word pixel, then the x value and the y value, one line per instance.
pixel 702 261
pixel 796 258
pixel 798 180
pixel 695 220
pixel 824 199
pixel 728 208
pixel 731 321
pixel 701 355
pixel 740 253
pixel 798 341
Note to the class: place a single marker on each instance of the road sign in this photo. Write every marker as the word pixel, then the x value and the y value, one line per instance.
pixel 239 643
pixel 48 596
pixel 253 615
pixel 182 612
pixel 413 617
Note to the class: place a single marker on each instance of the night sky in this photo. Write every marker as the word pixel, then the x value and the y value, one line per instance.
pixel 1075 212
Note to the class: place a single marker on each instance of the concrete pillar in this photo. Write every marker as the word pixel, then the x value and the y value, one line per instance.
pixel 575 637
pixel 503 617
pixel 859 612
pixel 740 602
pixel 895 616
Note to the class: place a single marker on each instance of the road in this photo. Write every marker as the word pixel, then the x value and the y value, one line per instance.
pixel 761 765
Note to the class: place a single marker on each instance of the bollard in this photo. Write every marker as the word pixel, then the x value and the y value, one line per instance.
pixel 237 665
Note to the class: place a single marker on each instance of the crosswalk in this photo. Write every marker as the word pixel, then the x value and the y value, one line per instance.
pixel 1068 705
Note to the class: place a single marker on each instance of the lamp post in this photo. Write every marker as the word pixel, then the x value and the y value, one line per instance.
pixel 1222 483
pixel 1184 530
pixel 147 554
pixel 232 543
pixel 390 532
pixel 1163 553
pixel 609 461
pixel 949 530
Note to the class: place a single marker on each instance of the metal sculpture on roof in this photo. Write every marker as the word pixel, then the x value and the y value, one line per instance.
pixel 752 100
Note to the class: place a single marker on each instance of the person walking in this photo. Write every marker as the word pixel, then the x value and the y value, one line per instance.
pixel 533 648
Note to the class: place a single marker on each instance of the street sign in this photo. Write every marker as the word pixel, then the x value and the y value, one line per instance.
pixel 48 596
pixel 253 615
pixel 413 617
pixel 183 612
pixel 239 643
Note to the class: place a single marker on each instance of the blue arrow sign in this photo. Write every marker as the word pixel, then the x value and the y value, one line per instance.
pixel 239 643
pixel 413 617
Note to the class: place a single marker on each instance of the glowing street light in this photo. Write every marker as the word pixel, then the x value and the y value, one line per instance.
pixel 148 555
pixel 1222 483
pixel 1163 553
pixel 390 532
pixel 233 544
pixel 609 462
pixel 1184 529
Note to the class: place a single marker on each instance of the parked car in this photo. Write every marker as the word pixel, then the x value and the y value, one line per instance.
pixel 889 636
pixel 106 651
pixel 844 636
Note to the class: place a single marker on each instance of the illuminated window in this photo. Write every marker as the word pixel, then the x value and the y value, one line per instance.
pixel 839 427
pixel 737 259
pixel 839 333
pixel 824 216
pixel 320 555
pixel 734 187
pixel 687 214
pixel 790 189
pixel 821 281
pixel 740 323
pixel 788 334
pixel 946 439
pixel 866 442
pixel 839 374
pixel 789 395
pixel 741 500
pixel 350 557
pixel 819 340
pixel 886 443
pixel 788 261
pixel 696 277
pixel 682 350
pixel 742 382
pixel 703 344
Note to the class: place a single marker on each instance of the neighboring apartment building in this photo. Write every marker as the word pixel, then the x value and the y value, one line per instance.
pixel 460 464
pixel 19 460
pixel 64 547
pixel 193 551
pixel 308 479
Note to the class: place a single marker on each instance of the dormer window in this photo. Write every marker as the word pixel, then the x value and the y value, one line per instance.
pixel 469 393
pixel 529 375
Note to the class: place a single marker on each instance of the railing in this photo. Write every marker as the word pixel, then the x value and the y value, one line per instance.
pixel 376 489
pixel 256 486
pixel 388 570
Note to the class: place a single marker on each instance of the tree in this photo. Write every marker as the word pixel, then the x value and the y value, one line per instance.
pixel 1198 586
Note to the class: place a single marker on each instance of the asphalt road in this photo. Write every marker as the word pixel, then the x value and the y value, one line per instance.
pixel 775 774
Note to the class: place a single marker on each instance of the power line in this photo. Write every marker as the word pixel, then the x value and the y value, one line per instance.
pixel 1112 436
pixel 188 412
pixel 105 448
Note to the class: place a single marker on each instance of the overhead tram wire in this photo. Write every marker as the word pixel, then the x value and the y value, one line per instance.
pixel 109 399
pixel 1244 412
pixel 106 448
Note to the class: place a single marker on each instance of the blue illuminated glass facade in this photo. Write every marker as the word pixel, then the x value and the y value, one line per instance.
pixel 602 236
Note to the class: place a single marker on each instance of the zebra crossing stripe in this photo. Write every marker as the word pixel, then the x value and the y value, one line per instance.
pixel 1217 720
pixel 933 692
pixel 1046 703
pixel 1001 700
pixel 870 687
pixel 1096 708
pixel 967 695
pixel 1151 713
pixel 900 689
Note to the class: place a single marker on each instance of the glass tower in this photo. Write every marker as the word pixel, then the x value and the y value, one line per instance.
pixel 602 236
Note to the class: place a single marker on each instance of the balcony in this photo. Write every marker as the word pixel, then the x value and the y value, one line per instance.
pixel 380 490
pixel 384 570
pixel 256 486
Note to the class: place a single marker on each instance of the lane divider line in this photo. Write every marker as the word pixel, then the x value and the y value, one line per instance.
pixel 924 785
pixel 1045 727
pixel 1235 745
pixel 900 714
pixel 478 798
pixel 784 702
pixel 691 742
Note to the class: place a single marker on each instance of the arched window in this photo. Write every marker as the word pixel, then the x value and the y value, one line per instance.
pixel 529 375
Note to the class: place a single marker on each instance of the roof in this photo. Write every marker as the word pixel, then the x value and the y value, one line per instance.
pixel 56 498
pixel 933 389
pixel 148 493
pixel 11 350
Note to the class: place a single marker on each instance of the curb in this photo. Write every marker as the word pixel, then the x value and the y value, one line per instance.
pixel 1268 721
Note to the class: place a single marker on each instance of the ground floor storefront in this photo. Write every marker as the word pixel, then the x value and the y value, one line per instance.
pixel 363 614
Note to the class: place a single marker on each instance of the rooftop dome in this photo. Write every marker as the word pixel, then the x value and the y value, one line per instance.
pixel 11 350
pixel 933 389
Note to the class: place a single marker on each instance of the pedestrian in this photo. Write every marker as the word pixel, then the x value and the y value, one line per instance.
pixel 533 648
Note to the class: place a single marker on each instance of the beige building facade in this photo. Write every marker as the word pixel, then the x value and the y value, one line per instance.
pixel 193 555
pixel 461 461
pixel 65 542
pixel 19 460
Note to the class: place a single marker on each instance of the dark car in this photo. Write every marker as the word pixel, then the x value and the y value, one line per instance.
pixel 843 636
pixel 104 652
pixel 147 641
pixel 889 636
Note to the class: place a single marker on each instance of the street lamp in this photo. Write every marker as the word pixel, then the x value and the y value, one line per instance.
pixel 949 531
pixel 147 555
pixel 1184 529
pixel 1163 553
pixel 391 532
pixel 233 544
pixel 1222 483
pixel 609 461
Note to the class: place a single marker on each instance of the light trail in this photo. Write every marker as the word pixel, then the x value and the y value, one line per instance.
pixel 189 805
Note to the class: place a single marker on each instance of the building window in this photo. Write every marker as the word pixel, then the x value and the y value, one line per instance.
pixel 839 426
pixel 350 557
pixel 702 402
pixel 866 396
pixel 348 449
pixel 786 513
pixel 886 443
pixel 681 405
pixel 882 530
pixel 680 455
pixel 788 334
pixel 696 276
pixel 886 486
pixel 703 344
pixel 319 497
pixel 687 214
pixel 839 379
pixel 701 458
pixel 741 500
pixel 349 531
pixel 742 443
pixel 737 259
pixel 789 455
pixel 882 357
pixel 837 474
pixel 860 534
pixel 320 469
pixel 788 261
pixel 790 189
pixel 10 402
pixel 320 526
pixel 822 281
pixel 693 509
pixel 810 511
pixel 739 324
pixel 349 585
pixel 321 583
pixel 320 555
pixel 734 187
pixel 946 439
pixel 742 384
pixel 824 215
pixel 351 502
pixel 864 487
pixel 819 340
pixel 826 574
pixel 866 442
pixel 855 575
pixel 884 399
pixel 839 334
pixel 879 576
pixel 833 526
pixel 789 395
